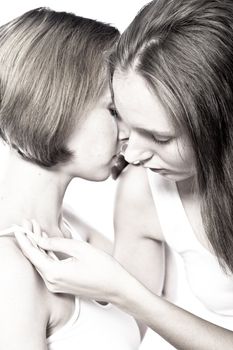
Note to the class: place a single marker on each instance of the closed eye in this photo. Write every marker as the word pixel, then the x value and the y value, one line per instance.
pixel 162 142
pixel 113 112
pixel 158 137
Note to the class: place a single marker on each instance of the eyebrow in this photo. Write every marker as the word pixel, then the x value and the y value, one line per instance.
pixel 156 132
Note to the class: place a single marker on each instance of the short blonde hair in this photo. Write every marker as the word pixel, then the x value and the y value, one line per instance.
pixel 53 65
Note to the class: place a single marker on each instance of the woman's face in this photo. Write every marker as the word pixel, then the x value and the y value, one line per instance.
pixel 150 136
pixel 94 142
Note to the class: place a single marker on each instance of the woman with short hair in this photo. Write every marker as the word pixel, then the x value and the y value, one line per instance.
pixel 56 121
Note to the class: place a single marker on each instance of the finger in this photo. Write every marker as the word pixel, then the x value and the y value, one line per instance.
pixel 36 228
pixel 36 257
pixel 28 226
pixel 33 225
pixel 62 245
pixel 49 252
pixel 38 234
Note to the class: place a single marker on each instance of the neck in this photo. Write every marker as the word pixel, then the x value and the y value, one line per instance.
pixel 188 188
pixel 28 191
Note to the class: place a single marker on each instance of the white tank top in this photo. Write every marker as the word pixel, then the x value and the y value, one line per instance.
pixel 207 281
pixel 92 326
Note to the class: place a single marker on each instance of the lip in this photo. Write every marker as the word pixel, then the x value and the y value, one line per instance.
pixel 158 170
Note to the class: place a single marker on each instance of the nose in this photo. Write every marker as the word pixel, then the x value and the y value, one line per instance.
pixel 123 137
pixel 123 131
pixel 136 151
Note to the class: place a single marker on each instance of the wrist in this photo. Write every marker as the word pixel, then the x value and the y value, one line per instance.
pixel 120 286
pixel 126 289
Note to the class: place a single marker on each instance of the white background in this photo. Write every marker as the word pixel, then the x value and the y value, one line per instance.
pixel 92 201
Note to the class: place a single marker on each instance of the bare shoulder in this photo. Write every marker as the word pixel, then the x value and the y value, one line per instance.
pixel 134 205
pixel 12 261
pixel 22 297
pixel 18 274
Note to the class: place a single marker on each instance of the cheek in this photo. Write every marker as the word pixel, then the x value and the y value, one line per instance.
pixel 97 136
pixel 106 138
pixel 185 155
pixel 178 155
pixel 105 142
pixel 110 129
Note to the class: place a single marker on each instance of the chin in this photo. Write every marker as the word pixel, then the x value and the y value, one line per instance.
pixel 99 175
pixel 177 177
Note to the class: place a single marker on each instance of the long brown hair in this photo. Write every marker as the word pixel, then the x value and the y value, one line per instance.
pixel 53 67
pixel 184 51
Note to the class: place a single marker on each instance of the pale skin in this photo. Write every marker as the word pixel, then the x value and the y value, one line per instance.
pixel 158 146
pixel 32 313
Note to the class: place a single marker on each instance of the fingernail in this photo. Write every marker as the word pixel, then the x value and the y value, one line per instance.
pixel 136 162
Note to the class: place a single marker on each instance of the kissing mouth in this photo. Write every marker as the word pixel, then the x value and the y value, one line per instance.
pixel 119 165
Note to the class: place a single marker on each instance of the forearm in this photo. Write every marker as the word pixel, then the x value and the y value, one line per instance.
pixel 182 329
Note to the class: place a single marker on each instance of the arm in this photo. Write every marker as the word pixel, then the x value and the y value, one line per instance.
pixel 137 247
pixel 182 329
pixel 22 318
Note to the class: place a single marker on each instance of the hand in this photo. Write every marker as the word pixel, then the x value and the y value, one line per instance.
pixel 88 272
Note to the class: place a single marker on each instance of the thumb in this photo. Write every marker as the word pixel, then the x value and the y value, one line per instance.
pixel 57 244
